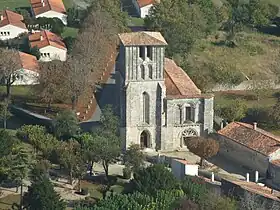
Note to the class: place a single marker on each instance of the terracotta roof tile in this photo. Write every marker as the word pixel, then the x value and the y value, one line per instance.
pixel 143 3
pixel 177 82
pixel 42 6
pixel 255 188
pixel 28 62
pixel 12 18
pixel 142 38
pixel 184 162
pixel 258 140
pixel 46 38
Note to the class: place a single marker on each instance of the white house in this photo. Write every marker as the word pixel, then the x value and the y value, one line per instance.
pixel 11 25
pixel 181 168
pixel 49 9
pixel 143 6
pixel 29 72
pixel 50 46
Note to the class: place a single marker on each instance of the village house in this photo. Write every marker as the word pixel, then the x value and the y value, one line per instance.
pixel 143 6
pixel 160 106
pixel 50 45
pixel 11 25
pixel 29 72
pixel 49 9
pixel 248 145
pixel 181 168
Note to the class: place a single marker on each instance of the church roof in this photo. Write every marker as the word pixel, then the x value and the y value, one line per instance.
pixel 178 83
pixel 258 140
pixel 142 38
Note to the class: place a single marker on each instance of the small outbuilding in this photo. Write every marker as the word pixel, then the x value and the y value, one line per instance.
pixel 181 168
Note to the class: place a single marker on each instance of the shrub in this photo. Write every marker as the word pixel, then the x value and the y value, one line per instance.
pixel 126 173
pixel 84 191
pixel 193 188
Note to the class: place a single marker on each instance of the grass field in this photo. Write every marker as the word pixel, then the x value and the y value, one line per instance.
pixel 68 31
pixel 12 4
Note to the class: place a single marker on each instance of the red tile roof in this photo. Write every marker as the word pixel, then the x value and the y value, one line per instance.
pixel 178 83
pixel 42 6
pixel 258 140
pixel 184 162
pixel 28 62
pixel 256 188
pixel 12 18
pixel 46 38
pixel 143 3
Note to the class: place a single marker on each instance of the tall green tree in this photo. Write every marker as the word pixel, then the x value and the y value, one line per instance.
pixel 188 21
pixel 66 125
pixel 70 158
pixel 41 195
pixel 156 177
pixel 5 114
pixel 134 157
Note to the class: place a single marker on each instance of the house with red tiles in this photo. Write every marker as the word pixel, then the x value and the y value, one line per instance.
pixel 248 145
pixel 160 106
pixel 11 25
pixel 49 9
pixel 29 70
pixel 143 6
pixel 50 45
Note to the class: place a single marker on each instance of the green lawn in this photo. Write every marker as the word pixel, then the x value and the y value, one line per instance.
pixel 68 31
pixel 17 91
pixel 12 4
pixel 133 21
pixel 7 202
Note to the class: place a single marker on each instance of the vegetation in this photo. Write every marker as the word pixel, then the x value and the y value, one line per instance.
pixel 204 148
pixel 134 157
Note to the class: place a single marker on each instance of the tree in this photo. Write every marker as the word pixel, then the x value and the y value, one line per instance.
pixel 235 110
pixel 134 157
pixel 69 42
pixel 70 158
pixel 106 146
pixel 9 66
pixel 19 161
pixel 51 86
pixel 33 134
pixel 156 177
pixel 35 51
pixel 260 88
pixel 204 148
pixel 179 33
pixel 66 125
pixel 4 112
pixel 274 114
pixel 76 80
pixel 41 195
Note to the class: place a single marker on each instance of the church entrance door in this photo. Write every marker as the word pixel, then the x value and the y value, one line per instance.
pixel 144 139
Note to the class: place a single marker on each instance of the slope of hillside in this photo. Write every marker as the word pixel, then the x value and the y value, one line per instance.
pixel 256 56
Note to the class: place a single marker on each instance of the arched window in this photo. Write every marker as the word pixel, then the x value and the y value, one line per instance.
pixel 150 71
pixel 146 107
pixel 186 135
pixel 142 67
pixel 144 140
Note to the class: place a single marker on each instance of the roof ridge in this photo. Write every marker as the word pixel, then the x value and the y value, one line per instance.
pixel 259 130
pixel 149 34
pixel 47 38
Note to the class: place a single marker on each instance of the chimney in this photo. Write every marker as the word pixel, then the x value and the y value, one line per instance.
pixel 41 37
pixel 43 3
pixel 212 177
pixel 256 176
pixel 222 125
pixel 247 177
pixel 255 126
pixel 1 17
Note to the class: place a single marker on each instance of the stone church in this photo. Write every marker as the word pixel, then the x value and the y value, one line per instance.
pixel 159 105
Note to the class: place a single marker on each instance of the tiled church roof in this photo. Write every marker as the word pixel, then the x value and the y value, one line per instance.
pixel 258 140
pixel 142 38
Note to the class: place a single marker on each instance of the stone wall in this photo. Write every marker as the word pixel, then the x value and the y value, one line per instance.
pixel 241 154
